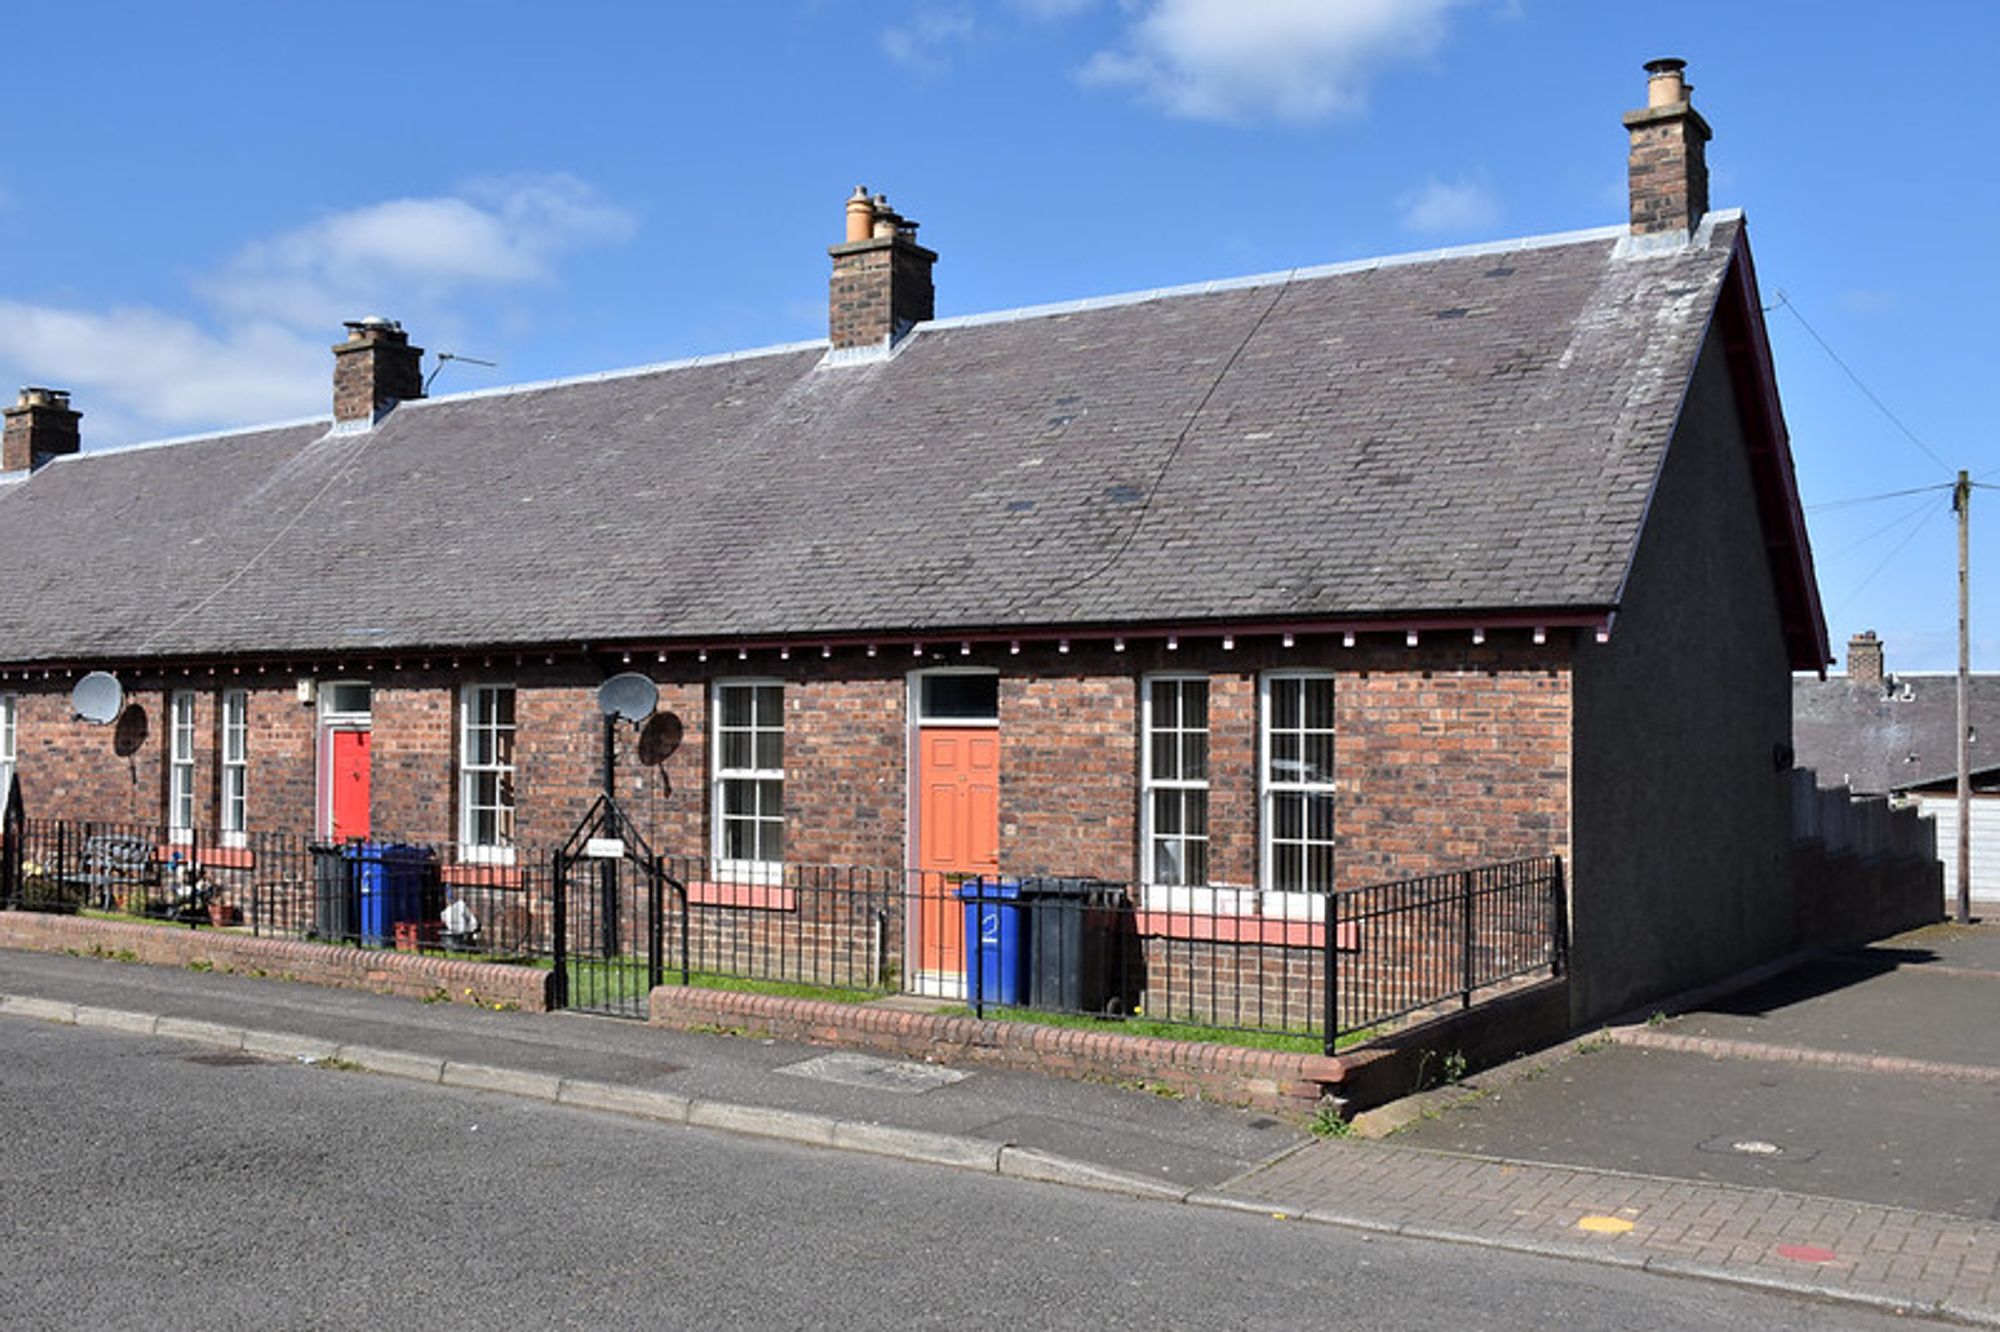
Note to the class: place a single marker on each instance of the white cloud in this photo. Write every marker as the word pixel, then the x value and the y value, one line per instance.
pixel 1449 206
pixel 1241 60
pixel 166 371
pixel 277 305
pixel 414 253
pixel 925 43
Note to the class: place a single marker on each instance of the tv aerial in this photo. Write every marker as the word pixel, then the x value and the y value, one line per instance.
pixel 444 356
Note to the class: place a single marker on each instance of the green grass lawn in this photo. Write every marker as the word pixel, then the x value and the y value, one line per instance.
pixel 1291 1042
pixel 612 981
pixel 598 980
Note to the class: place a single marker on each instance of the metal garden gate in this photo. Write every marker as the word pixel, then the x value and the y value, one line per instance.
pixel 608 916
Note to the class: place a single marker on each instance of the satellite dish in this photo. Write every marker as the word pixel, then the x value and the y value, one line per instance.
pixel 98 698
pixel 630 696
pixel 659 739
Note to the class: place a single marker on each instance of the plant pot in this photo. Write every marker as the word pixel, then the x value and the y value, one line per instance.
pixel 415 935
pixel 223 913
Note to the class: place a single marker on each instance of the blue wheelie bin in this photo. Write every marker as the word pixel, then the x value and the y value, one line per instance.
pixel 996 955
pixel 390 879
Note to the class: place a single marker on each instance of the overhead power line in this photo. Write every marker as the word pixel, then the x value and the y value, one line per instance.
pixel 1914 514
pixel 1785 303
pixel 1885 495
pixel 1887 560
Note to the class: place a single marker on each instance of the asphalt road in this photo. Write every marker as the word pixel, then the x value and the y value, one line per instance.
pixel 148 1184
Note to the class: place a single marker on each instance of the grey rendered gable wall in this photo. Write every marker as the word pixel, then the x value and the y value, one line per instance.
pixel 1681 831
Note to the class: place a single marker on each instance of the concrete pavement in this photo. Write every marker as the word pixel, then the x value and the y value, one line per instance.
pixel 1863 1251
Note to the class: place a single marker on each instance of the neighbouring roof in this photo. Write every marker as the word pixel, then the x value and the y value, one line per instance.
pixel 1878 739
pixel 1463 433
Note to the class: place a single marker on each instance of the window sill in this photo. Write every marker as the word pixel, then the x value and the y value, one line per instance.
pixel 743 896
pixel 213 857
pixel 1221 927
pixel 472 853
pixel 481 874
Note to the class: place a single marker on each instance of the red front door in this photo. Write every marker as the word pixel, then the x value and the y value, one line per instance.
pixel 349 777
pixel 958 833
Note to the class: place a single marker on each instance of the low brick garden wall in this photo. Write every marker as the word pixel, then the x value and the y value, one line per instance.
pixel 1266 1079
pixel 1292 1084
pixel 411 975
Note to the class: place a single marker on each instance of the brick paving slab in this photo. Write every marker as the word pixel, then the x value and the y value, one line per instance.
pixel 1879 1255
pixel 1689 1041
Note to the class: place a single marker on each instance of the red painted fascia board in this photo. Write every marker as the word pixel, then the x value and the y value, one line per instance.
pixel 1747 342
pixel 1597 619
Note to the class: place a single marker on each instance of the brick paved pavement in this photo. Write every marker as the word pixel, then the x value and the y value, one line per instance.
pixel 1885 1256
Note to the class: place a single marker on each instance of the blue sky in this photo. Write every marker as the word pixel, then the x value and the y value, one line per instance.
pixel 195 196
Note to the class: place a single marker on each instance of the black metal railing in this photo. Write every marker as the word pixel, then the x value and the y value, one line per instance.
pixel 383 893
pixel 1320 968
pixel 818 927
pixel 1398 949
pixel 1227 959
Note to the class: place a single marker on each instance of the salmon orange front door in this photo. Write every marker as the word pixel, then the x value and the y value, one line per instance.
pixel 349 773
pixel 958 834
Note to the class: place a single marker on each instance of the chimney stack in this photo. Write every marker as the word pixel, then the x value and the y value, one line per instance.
pixel 881 277
pixel 373 370
pixel 39 427
pixel 1864 659
pixel 1668 166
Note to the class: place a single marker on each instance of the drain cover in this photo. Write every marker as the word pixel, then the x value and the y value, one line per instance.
pixel 1761 1149
pixel 224 1059
pixel 890 1075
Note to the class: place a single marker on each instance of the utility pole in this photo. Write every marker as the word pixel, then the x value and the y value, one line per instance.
pixel 1961 504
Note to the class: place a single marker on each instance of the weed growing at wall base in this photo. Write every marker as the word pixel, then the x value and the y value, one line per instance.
pixel 1327 1122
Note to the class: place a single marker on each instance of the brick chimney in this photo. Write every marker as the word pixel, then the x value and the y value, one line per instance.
pixel 881 277
pixel 1668 166
pixel 39 427
pixel 373 370
pixel 1864 659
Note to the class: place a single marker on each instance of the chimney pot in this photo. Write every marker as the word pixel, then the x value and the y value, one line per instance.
pixel 1667 168
pixel 1668 86
pixel 860 215
pixel 881 283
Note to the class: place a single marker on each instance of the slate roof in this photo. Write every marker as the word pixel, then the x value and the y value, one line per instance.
pixel 1880 740
pixel 1472 431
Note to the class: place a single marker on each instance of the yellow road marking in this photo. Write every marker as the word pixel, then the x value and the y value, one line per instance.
pixel 1604 1225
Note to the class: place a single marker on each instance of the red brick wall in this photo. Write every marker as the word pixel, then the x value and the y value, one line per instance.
pixel 411 788
pixel 1069 761
pixel 1448 754
pixel 846 768
pixel 281 755
pixel 1448 760
pixel 72 769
